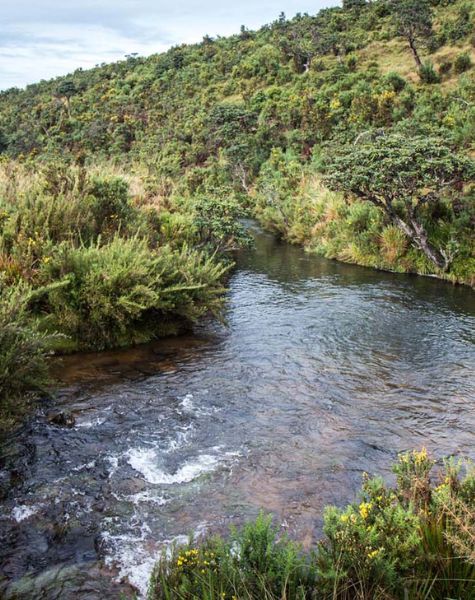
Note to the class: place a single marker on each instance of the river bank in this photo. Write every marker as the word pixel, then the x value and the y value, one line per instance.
pixel 319 376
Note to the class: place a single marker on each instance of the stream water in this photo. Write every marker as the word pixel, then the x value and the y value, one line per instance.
pixel 323 371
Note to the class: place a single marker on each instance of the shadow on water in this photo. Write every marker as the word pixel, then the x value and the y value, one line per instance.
pixel 324 371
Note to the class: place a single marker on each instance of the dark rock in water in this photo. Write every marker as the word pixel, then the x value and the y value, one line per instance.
pixel 62 419
pixel 81 582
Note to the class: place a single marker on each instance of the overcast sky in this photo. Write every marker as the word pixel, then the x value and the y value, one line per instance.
pixel 40 39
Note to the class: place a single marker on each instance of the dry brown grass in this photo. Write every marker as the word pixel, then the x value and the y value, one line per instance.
pixel 395 56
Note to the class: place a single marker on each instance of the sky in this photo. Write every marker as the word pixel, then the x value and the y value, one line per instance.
pixel 40 39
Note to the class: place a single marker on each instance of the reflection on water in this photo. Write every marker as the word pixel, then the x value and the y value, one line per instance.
pixel 324 371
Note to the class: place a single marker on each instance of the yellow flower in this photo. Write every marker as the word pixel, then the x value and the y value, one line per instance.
pixel 420 456
pixel 344 518
pixel 365 508
pixel 372 554
pixel 449 120
pixel 335 104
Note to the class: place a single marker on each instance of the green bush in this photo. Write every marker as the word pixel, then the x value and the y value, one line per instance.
pixel 254 563
pixel 428 74
pixel 445 67
pixel 108 198
pixel 23 352
pixel 216 220
pixel 395 80
pixel 123 293
pixel 463 63
pixel 413 541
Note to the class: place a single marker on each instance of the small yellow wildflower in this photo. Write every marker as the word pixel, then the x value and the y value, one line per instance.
pixel 365 508
pixel 373 554
pixel 335 104
pixel 449 121
pixel 421 456
pixel 344 518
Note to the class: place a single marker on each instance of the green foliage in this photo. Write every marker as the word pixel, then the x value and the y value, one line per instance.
pixel 404 179
pixel 459 26
pixel 255 562
pixel 412 541
pixel 413 21
pixel 23 352
pixel 397 82
pixel 462 63
pixel 428 74
pixel 109 201
pixel 216 219
pixel 105 269
pixel 122 292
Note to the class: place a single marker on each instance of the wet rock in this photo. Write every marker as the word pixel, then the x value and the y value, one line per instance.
pixel 84 581
pixel 61 419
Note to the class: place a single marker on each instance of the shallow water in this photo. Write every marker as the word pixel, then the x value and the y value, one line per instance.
pixel 324 371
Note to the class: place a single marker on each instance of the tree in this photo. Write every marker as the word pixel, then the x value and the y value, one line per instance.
pixel 413 21
pixel 354 4
pixel 217 222
pixel 404 178
pixel 67 89
pixel 232 129
pixel 295 41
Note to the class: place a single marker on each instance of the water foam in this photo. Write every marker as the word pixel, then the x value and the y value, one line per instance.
pixel 24 511
pixel 188 406
pixel 144 460
pixel 129 554
pixel 88 423
pixel 147 496
pixel 135 556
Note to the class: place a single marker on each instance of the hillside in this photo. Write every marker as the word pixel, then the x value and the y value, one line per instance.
pixel 212 117
pixel 276 87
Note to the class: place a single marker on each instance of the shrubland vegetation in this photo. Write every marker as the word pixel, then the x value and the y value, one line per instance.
pixel 415 540
pixel 87 264
pixel 121 187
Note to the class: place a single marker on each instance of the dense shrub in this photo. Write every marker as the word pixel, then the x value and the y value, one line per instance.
pixel 428 74
pixel 23 351
pixel 395 80
pixel 462 63
pixel 109 202
pixel 255 562
pixel 216 219
pixel 123 293
pixel 412 541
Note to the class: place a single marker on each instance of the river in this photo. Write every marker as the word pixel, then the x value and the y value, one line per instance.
pixel 322 372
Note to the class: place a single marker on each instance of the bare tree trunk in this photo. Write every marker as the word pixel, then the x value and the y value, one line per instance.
pixel 418 235
pixel 412 45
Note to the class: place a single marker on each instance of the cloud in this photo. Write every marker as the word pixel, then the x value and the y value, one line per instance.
pixel 44 38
